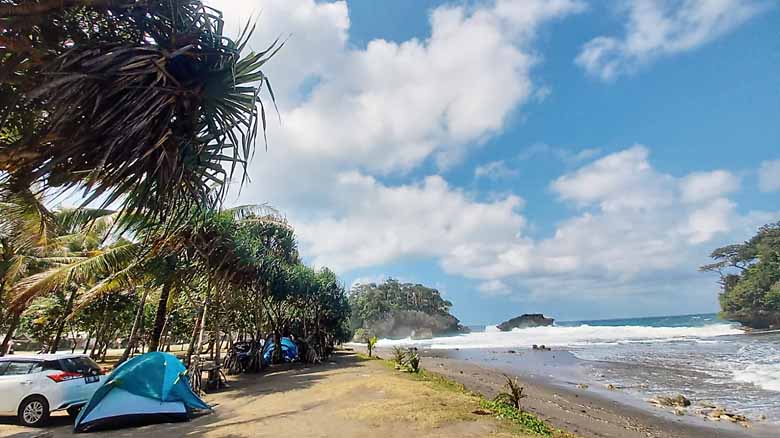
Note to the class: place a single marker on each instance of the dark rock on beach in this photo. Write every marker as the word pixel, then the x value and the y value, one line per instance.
pixel 525 321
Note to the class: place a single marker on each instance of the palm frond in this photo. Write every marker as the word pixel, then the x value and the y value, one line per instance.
pixel 154 114
pixel 100 263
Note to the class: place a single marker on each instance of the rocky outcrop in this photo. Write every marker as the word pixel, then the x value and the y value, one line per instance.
pixel 525 321
pixel 758 320
pixel 414 324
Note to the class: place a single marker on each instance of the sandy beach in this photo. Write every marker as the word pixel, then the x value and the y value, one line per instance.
pixel 344 397
pixel 352 397
pixel 587 411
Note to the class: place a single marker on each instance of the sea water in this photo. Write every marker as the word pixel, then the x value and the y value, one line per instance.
pixel 700 356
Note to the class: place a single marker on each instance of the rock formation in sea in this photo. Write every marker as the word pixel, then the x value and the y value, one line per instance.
pixel 415 324
pixel 525 321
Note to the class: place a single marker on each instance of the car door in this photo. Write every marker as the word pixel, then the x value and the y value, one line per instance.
pixel 15 384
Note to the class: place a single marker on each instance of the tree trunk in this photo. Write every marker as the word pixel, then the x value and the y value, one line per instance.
pixel 10 334
pixel 61 327
pixel 277 356
pixel 194 338
pixel 159 318
pixel 73 338
pixel 100 333
pixel 136 323
pixel 86 344
pixel 202 325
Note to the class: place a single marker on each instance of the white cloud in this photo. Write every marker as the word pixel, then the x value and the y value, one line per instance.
pixel 567 156
pixel 494 288
pixel 375 224
pixel 621 180
pixel 701 186
pixel 495 170
pixel 705 222
pixel 638 225
pixel 658 28
pixel 354 118
pixel 391 105
pixel 769 176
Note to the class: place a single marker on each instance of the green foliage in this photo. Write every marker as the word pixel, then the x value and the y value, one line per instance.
pixel 750 278
pixel 370 345
pixel 371 302
pixel 147 104
pixel 527 421
pixel 512 394
pixel 399 356
pixel 412 361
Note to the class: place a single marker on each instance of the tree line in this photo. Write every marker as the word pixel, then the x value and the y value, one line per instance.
pixel 148 110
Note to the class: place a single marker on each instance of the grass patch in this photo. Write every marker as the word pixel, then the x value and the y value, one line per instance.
pixel 525 420
pixel 367 357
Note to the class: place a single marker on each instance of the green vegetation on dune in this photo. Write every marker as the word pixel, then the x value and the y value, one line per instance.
pixel 750 279
pixel 399 310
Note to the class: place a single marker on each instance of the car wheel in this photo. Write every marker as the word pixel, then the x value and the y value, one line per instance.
pixel 34 411
pixel 73 411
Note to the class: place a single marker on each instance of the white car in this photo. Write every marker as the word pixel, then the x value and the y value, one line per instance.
pixel 34 386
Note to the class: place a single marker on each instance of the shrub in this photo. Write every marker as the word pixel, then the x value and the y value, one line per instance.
pixel 513 393
pixel 370 345
pixel 399 356
pixel 412 361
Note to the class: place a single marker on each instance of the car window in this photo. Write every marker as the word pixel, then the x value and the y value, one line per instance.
pixel 83 365
pixel 18 368
pixel 52 365
pixel 36 368
pixel 3 366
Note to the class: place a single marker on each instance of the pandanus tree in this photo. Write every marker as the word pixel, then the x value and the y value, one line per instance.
pixel 143 104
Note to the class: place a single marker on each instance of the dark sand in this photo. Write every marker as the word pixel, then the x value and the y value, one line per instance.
pixel 587 412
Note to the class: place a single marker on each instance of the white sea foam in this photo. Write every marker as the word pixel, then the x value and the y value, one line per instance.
pixel 568 336
pixel 765 376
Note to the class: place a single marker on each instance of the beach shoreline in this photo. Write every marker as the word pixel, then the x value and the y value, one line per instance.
pixel 587 411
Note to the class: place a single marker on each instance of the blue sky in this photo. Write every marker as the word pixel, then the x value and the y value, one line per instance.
pixel 577 158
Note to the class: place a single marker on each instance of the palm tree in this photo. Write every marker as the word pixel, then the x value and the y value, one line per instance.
pixel 141 103
pixel 34 240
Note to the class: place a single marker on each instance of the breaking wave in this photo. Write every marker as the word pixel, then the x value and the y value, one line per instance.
pixel 575 336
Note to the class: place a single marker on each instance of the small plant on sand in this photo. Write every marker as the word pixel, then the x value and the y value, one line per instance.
pixel 413 361
pixel 513 393
pixel 399 357
pixel 370 343
pixel 523 419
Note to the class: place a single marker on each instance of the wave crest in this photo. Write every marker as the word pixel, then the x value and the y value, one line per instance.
pixel 570 336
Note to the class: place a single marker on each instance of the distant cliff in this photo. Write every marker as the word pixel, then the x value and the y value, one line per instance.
pixel 400 310
pixel 525 321
pixel 750 279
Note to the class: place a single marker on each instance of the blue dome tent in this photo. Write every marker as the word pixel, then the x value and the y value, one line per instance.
pixel 289 350
pixel 150 388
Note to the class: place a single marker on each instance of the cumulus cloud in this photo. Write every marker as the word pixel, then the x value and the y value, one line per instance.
pixel 495 170
pixel 391 105
pixel 658 28
pixel 769 176
pixel 494 288
pixel 376 224
pixel 356 120
pixel 621 180
pixel 701 186
pixel 636 223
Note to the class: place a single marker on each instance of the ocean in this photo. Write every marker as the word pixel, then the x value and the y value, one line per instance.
pixel 700 356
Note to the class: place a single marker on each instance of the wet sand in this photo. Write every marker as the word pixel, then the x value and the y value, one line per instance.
pixel 586 411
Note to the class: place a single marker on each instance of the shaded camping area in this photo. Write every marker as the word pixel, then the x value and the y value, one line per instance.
pixel 345 396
